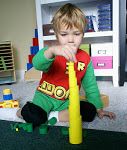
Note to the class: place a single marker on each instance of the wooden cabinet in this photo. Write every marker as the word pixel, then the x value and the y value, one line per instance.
pixel 45 10
pixel 7 67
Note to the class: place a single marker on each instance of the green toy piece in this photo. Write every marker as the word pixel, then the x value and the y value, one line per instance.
pixel 52 121
pixel 43 129
pixel 26 126
pixel 65 130
pixel 84 133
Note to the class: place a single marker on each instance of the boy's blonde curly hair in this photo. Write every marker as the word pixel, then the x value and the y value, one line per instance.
pixel 70 16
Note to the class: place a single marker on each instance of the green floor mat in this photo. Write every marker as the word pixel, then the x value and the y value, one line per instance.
pixel 55 140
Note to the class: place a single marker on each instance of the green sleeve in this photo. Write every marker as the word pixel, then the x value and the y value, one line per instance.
pixel 40 62
pixel 90 87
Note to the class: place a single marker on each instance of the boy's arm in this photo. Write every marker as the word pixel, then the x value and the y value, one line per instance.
pixel 40 62
pixel 90 87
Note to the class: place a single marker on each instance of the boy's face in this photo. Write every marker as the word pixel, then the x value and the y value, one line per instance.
pixel 71 36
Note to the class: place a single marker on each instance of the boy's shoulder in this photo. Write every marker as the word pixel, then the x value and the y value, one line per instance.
pixel 83 54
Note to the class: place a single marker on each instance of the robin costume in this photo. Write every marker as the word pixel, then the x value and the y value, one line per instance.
pixel 53 90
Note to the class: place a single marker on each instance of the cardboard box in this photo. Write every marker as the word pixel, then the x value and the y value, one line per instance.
pixel 32 75
pixel 104 98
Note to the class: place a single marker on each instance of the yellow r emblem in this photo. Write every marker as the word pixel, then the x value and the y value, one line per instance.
pixel 81 66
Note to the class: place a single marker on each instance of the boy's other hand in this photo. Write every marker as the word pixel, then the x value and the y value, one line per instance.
pixel 68 51
pixel 101 113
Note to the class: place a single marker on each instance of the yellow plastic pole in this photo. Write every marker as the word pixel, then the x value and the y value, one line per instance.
pixel 75 120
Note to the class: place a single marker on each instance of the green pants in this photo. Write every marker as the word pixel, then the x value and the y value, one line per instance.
pixel 48 103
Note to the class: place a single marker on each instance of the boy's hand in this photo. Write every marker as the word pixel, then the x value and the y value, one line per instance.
pixel 68 51
pixel 101 113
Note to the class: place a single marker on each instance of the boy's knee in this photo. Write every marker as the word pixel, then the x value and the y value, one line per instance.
pixel 88 111
pixel 34 114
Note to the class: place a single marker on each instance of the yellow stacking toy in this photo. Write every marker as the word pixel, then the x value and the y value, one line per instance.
pixel 75 120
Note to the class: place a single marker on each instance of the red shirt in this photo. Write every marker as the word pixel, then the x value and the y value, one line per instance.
pixel 55 82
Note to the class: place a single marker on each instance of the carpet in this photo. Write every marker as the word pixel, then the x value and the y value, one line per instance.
pixel 55 140
pixel 24 91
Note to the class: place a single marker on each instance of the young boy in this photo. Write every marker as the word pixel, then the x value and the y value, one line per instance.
pixel 51 96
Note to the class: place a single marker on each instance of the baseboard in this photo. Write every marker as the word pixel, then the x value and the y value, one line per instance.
pixel 20 75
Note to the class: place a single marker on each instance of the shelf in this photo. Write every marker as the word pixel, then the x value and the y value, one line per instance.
pixel 6 70
pixel 87 35
pixel 60 2
pixel 98 34
pixel 2 53
pixel 7 79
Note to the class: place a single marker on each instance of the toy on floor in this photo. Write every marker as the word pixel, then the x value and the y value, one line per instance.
pixel 7 94
pixel 28 127
pixel 75 120
pixel 8 101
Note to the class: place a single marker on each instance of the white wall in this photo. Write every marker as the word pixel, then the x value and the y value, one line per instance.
pixel 17 24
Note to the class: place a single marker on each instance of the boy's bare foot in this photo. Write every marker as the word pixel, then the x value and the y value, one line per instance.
pixel 18 113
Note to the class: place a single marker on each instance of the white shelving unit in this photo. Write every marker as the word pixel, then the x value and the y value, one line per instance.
pixel 44 13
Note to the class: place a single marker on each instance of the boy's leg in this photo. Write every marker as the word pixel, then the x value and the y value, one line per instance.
pixel 18 113
pixel 63 116
pixel 60 110
pixel 35 112
pixel 87 111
